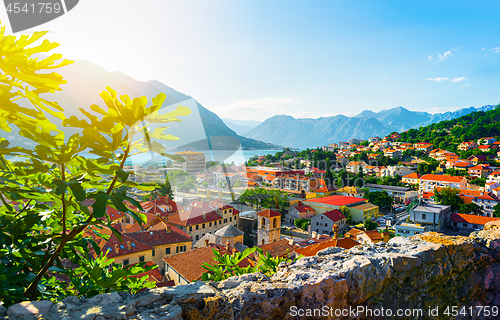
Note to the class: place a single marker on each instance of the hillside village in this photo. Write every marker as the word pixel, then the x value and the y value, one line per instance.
pixel 297 203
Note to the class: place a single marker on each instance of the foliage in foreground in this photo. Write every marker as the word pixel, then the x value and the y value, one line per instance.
pixel 42 217
pixel 226 265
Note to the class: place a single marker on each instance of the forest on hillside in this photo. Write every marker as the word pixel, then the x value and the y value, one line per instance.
pixel 449 134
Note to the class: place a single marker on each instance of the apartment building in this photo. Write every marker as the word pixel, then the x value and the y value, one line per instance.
pixel 200 218
pixel 194 162
pixel 429 182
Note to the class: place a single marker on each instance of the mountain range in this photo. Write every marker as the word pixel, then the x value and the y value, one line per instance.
pixel 202 130
pixel 241 126
pixel 309 133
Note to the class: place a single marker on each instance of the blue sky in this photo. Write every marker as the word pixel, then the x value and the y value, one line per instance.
pixel 255 59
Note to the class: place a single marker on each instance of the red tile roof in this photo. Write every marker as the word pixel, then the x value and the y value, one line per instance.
pixel 312 250
pixel 135 246
pixel 413 175
pixel 193 216
pixel 334 215
pixel 153 275
pixel 472 219
pixel 279 249
pixel 374 235
pixel 336 200
pixel 269 213
pixel 189 264
pixel 444 178
pixel 304 209
pixel 160 237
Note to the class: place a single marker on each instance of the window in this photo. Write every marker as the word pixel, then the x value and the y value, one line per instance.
pixel 326 225
pixel 321 217
pixel 209 224
pixel 203 226
pixel 197 226
pixel 423 216
pixel 133 244
pixel 177 248
pixel 317 223
pixel 464 224
pixel 125 262
pixel 153 252
pixel 141 258
pixel 230 219
pixel 225 220
pixel 122 247
pixel 197 237
pixel 167 250
pixel 190 229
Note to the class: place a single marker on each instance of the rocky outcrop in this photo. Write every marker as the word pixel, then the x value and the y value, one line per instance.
pixel 416 278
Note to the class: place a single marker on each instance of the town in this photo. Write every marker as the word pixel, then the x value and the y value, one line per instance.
pixel 294 203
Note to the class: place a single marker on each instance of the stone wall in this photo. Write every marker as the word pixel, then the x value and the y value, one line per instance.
pixel 409 274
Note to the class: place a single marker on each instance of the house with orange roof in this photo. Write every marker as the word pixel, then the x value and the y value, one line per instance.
pixel 164 240
pixel 470 222
pixel 412 178
pixel 484 148
pixel 477 159
pixel 459 165
pixel 187 267
pixel 487 202
pixel 429 182
pixel 344 243
pixel 359 208
pixel 351 192
pixel 423 146
pixel 364 236
pixel 486 141
pixel 284 248
pixel 372 170
pixel 299 212
pixel 200 218
pixel 464 146
pixel 355 166
pixel 490 186
pixel 494 176
pixel 479 171
pixel 392 153
pixel 161 206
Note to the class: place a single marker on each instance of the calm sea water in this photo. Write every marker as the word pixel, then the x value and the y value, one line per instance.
pixel 226 156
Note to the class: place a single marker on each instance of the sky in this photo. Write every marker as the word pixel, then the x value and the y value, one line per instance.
pixel 254 59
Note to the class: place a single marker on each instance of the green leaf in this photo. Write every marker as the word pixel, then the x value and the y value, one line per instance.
pixel 122 175
pixel 77 190
pixel 99 206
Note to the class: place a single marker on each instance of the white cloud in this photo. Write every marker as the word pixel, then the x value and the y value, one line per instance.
pixel 444 56
pixel 495 50
pixel 440 79
pixel 466 85
pixel 482 49
pixel 430 57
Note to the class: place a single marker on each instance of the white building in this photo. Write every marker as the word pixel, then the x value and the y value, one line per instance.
pixel 429 182
pixel 410 229
pixel 194 162
pixel 435 216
